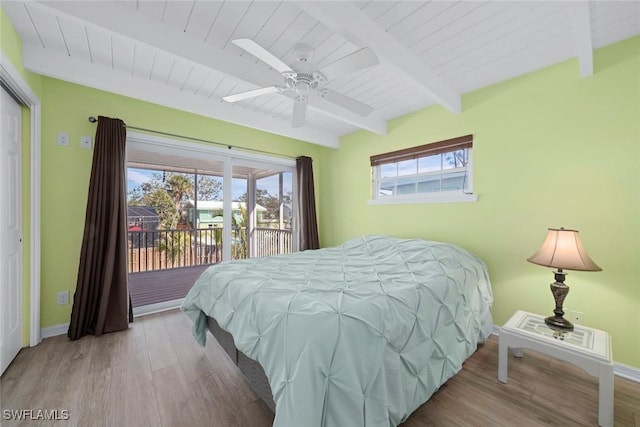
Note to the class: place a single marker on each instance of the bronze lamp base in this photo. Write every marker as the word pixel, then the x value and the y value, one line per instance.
pixel 558 322
pixel 559 291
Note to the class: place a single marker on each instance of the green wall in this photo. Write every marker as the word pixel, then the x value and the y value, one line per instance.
pixel 66 170
pixel 551 149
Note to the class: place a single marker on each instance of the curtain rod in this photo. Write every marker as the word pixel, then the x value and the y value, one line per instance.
pixel 158 132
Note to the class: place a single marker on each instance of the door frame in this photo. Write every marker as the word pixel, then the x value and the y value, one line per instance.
pixel 17 85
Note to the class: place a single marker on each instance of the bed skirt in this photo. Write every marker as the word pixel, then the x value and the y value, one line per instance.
pixel 251 369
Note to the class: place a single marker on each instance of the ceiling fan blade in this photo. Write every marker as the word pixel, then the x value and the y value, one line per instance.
pixel 347 102
pixel 299 114
pixel 263 54
pixel 358 60
pixel 251 94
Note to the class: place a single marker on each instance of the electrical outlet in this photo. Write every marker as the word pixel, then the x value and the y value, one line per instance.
pixel 63 298
pixel 85 142
pixel 63 138
pixel 577 317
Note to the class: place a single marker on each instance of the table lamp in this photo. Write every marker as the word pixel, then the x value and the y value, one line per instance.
pixel 562 249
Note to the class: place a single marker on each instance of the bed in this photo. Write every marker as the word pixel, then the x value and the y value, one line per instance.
pixel 359 334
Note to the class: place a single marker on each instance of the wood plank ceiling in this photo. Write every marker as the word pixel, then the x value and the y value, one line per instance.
pixel 181 53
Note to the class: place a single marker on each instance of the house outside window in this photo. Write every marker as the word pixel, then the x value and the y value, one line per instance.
pixel 430 173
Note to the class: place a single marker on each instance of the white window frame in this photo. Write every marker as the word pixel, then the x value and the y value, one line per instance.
pixel 464 195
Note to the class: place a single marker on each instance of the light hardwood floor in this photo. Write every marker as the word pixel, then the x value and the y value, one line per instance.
pixel 155 374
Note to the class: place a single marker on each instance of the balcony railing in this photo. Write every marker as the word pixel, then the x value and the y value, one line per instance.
pixel 271 241
pixel 152 250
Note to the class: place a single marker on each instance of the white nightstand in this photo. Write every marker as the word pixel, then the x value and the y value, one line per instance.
pixel 588 348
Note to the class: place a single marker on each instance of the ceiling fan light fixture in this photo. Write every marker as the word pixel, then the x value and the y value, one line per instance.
pixel 303 88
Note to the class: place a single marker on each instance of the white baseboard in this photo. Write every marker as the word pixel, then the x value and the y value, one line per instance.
pixel 54 331
pixel 624 371
pixel 157 308
pixel 61 329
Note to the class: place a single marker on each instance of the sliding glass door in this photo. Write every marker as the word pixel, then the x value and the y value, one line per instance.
pixel 171 217
pixel 265 206
pixel 191 206
pixel 274 195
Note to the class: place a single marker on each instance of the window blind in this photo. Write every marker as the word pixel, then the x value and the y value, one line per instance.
pixel 425 150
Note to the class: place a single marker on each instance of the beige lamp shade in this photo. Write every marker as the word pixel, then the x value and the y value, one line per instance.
pixel 563 249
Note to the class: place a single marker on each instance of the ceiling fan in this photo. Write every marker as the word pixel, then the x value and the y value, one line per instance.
pixel 302 80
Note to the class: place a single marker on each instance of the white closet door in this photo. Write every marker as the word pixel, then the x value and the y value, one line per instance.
pixel 10 231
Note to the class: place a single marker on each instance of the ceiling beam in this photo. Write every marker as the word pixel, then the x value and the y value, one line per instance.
pixel 345 18
pixel 116 18
pixel 580 17
pixel 43 61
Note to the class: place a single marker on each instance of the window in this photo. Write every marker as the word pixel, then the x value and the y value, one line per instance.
pixel 436 172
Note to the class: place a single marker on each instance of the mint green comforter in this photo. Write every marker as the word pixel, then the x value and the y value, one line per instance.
pixel 355 335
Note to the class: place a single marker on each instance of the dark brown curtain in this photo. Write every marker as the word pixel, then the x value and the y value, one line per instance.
pixel 308 224
pixel 101 301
